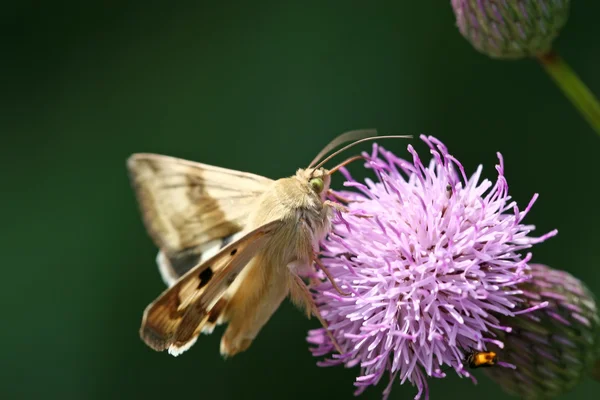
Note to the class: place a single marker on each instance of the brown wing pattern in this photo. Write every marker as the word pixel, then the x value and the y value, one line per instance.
pixel 186 204
pixel 176 318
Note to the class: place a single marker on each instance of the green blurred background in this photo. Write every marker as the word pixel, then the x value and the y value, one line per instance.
pixel 255 86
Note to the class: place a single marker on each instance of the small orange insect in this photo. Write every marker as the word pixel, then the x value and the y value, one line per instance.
pixel 476 359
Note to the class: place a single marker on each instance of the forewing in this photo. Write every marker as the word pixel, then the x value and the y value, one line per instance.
pixel 186 204
pixel 175 319
pixel 173 267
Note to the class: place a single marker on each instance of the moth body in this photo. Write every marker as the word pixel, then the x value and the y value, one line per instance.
pixel 267 279
pixel 241 269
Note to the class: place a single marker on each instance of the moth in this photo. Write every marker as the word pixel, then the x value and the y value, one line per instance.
pixel 232 244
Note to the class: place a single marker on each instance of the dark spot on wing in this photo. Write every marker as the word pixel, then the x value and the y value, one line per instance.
pixel 233 252
pixel 204 277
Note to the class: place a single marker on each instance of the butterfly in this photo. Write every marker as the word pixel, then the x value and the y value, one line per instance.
pixel 233 245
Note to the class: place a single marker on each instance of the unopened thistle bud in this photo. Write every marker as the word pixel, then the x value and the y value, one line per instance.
pixel 511 28
pixel 551 348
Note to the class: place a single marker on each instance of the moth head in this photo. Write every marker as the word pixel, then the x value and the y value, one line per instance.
pixel 317 179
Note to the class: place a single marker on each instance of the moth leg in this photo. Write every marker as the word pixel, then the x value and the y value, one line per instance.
pixel 299 267
pixel 336 206
pixel 339 197
pixel 297 295
pixel 330 277
pixel 343 209
pixel 301 294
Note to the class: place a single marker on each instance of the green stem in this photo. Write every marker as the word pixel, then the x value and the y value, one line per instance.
pixel 573 88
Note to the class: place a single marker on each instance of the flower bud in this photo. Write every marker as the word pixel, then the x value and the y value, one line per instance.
pixel 511 28
pixel 552 348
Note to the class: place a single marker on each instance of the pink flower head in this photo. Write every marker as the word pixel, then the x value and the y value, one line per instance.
pixel 431 258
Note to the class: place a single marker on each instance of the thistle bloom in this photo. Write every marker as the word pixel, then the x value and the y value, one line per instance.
pixel 432 259
pixel 511 28
pixel 554 347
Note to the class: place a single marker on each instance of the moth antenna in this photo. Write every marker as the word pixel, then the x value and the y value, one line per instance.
pixel 343 164
pixel 343 138
pixel 319 165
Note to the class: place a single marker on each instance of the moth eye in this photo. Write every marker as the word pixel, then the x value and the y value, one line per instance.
pixel 317 184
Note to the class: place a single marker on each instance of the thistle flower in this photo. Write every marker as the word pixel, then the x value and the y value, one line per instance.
pixel 431 258
pixel 511 28
pixel 554 347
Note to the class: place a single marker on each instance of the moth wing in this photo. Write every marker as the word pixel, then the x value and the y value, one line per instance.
pixel 176 318
pixel 185 204
pixel 174 267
